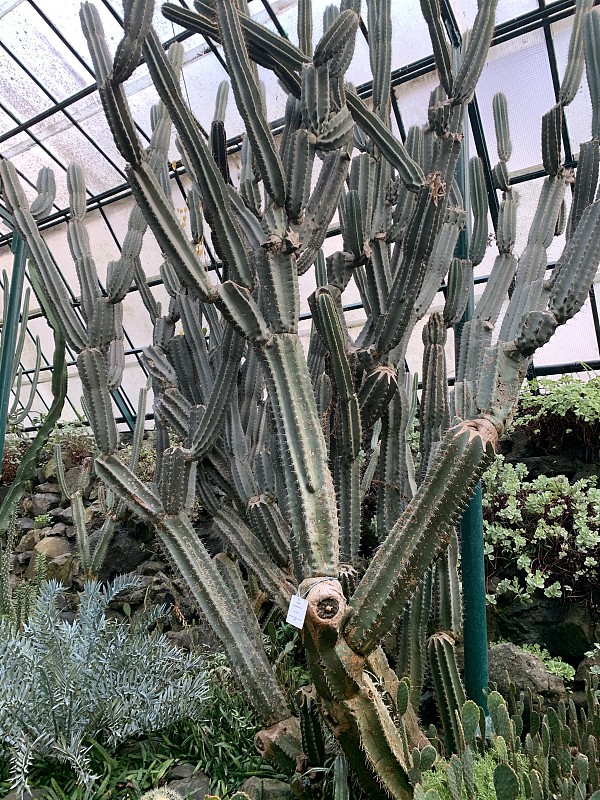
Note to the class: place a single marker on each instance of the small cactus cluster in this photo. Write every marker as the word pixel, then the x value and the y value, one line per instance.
pixel 541 755
pixel 271 440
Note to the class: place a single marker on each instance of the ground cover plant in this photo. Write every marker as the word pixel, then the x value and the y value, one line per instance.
pixel 561 414
pixel 278 447
pixel 541 534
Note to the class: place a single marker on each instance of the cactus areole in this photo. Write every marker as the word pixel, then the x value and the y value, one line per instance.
pixel 279 447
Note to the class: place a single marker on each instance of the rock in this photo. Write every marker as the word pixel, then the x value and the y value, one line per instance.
pixel 51 548
pixel 266 789
pixel 61 569
pixel 42 503
pixel 23 558
pixel 49 488
pixel 77 478
pixel 526 671
pixel 181 772
pixel 124 554
pixel 564 629
pixel 50 469
pixel 28 541
pixel 134 597
pixel 25 524
pixel 585 668
pixel 70 532
pixel 57 530
pixel 35 793
pixel 151 567
pixel 63 515
pixel 194 787
pixel 190 638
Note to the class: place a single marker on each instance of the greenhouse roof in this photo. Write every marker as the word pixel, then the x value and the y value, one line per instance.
pixel 51 115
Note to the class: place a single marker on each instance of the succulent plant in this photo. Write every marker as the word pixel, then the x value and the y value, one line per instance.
pixel 273 439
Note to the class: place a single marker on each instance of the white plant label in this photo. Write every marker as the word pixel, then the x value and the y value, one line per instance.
pixel 297 611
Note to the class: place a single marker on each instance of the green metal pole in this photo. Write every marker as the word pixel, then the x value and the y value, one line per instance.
pixel 9 334
pixel 474 604
pixel 471 525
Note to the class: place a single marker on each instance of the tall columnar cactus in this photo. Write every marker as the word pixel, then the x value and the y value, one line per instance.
pixel 272 441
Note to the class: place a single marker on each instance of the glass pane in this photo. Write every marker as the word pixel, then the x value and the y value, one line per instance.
pixel 65 16
pixel 526 57
pixel 413 99
pixel 465 10
pixel 19 94
pixel 573 342
pixel 67 145
pixel 42 52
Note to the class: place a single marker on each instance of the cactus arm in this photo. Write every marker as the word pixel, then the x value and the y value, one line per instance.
pixel 166 227
pixel 193 333
pixel 305 27
pixel 280 297
pixel 208 588
pixel 335 38
pixel 46 186
pixel 441 49
pixel 91 364
pixel 349 435
pixel 328 324
pixel 421 532
pixel 232 576
pixel 477 50
pixel 213 417
pixel 241 311
pixel 205 170
pixel 591 33
pixel 447 685
pixel 241 541
pixel 417 245
pixel 280 49
pixel 311 496
pixel 106 534
pixel 137 19
pixel 412 639
pixel 434 397
pixel 460 280
pixel 575 269
pixel 80 522
pixel 552 124
pixel 53 286
pixel 439 263
pixel 479 206
pixel 575 60
pixel 500 111
pixel 20 342
pixel 249 102
pixel 448 600
pixel 392 149
pixel 268 523
pixel 586 182
pixel 111 92
pixel 380 44
pixel 15 417
pixel 321 206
